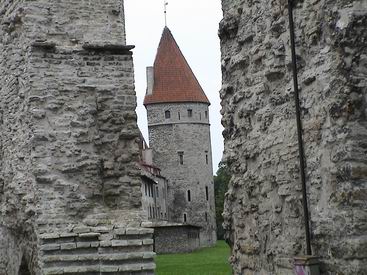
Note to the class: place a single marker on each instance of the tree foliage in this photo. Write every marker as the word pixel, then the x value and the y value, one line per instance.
pixel 221 181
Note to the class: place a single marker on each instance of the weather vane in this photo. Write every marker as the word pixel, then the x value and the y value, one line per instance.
pixel 165 12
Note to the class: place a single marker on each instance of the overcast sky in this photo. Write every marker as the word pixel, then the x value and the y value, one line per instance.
pixel 194 24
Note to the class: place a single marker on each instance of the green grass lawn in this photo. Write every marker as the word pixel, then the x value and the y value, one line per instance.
pixel 206 261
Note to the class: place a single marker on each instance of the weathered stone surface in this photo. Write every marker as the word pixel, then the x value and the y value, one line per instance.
pixel 189 136
pixel 263 210
pixel 68 135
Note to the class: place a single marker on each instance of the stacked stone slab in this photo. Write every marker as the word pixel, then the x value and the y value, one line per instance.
pixel 263 208
pixel 69 186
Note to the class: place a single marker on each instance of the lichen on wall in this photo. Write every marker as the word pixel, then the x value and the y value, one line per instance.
pixel 263 208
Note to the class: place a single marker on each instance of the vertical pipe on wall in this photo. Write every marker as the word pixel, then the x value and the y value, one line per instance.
pixel 299 129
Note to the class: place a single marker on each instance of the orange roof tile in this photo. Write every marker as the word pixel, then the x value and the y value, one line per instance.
pixel 174 80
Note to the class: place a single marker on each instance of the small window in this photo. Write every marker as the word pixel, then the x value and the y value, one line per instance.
pixel 167 114
pixel 200 116
pixel 179 115
pixel 157 191
pixel 206 114
pixel 146 190
pixel 181 157
pixel 189 112
pixel 206 159
pixel 206 216
pixel 207 192
pixel 188 195
pixel 185 217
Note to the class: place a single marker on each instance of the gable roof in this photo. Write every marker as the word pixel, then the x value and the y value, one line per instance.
pixel 174 80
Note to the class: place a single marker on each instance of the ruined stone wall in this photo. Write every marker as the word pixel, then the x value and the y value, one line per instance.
pixel 69 184
pixel 191 136
pixel 263 209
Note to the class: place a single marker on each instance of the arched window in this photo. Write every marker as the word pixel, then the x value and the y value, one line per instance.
pixel 207 193
pixel 185 217
pixel 167 114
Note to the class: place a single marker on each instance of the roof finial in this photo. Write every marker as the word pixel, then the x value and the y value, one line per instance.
pixel 165 12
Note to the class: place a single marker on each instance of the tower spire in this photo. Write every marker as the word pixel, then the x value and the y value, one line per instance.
pixel 165 13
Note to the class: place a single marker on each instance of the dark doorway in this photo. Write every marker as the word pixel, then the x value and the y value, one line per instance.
pixel 24 270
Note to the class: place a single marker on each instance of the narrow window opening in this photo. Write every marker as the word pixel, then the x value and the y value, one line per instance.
pixel 207 193
pixel 206 216
pixel 189 112
pixel 206 159
pixel 185 217
pixel 146 190
pixel 188 195
pixel 179 116
pixel 200 116
pixel 206 114
pixel 157 191
pixel 167 114
pixel 181 157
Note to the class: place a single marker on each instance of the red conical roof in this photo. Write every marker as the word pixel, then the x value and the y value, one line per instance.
pixel 174 80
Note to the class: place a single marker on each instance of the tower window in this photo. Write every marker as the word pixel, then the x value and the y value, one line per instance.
pixel 206 159
pixel 188 195
pixel 189 112
pixel 207 192
pixel 206 216
pixel 146 190
pixel 157 191
pixel 167 114
pixel 200 116
pixel 181 157
pixel 179 115
pixel 206 114
pixel 185 217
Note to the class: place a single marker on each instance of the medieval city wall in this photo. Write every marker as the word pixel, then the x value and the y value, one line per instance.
pixel 169 137
pixel 263 208
pixel 69 185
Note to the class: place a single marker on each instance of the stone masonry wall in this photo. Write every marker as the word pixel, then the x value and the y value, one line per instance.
pixel 263 208
pixel 70 200
pixel 190 135
pixel 176 239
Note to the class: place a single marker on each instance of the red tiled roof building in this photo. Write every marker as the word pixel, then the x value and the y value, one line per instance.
pixel 173 79
pixel 179 136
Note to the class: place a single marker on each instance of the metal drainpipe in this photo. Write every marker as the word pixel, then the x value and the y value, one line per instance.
pixel 299 129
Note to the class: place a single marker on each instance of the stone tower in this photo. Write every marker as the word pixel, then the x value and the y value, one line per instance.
pixel 179 133
pixel 70 199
